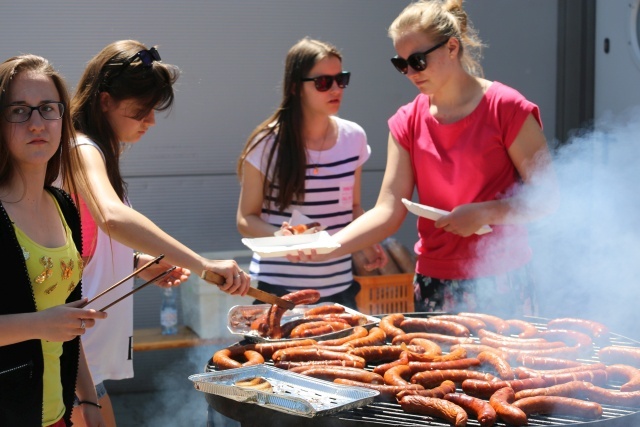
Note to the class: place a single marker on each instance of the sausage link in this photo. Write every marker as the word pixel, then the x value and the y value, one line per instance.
pixel 473 350
pixel 498 363
pixel 348 363
pixel 268 348
pixel 523 328
pixel 616 355
pixel 330 373
pixel 481 409
pixel 402 360
pixel 597 331
pixel 522 372
pixel 512 354
pixel 390 324
pixel 570 389
pixel 324 309
pixel 471 323
pixel 442 340
pixel 229 358
pixel 484 389
pixel 433 325
pixel 611 397
pixel 625 373
pixel 305 296
pixel 311 329
pixel 398 375
pixel 378 353
pixel 434 407
pixel 387 392
pixel 376 336
pixel 429 379
pixel 450 364
pixel 297 354
pixel 558 405
pixel 571 338
pixel 358 332
pixel 597 377
pixel 430 347
pixel 494 323
pixel 440 391
pixel 484 333
pixel 501 401
pixel 521 345
pixel 541 362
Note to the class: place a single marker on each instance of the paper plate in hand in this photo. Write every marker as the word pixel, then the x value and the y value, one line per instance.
pixel 279 246
pixel 434 214
pixel 298 218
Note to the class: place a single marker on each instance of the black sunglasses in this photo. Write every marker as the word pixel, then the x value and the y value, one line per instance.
pixel 324 83
pixel 417 61
pixel 147 57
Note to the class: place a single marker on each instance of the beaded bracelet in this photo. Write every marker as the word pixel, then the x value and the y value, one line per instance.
pixel 82 402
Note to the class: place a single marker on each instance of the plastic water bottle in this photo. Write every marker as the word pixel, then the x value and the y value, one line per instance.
pixel 169 312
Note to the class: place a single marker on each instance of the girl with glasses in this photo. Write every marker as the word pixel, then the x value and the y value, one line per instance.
pixel 41 356
pixel 467 145
pixel 118 94
pixel 304 158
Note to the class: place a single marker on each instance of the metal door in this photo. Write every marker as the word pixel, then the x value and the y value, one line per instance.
pixel 617 59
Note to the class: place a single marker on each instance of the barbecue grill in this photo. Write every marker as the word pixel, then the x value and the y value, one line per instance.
pixel 391 414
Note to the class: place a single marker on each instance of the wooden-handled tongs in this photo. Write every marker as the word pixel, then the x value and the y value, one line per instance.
pixel 263 296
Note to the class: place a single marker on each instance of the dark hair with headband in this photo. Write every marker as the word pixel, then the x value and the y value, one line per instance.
pixel 125 69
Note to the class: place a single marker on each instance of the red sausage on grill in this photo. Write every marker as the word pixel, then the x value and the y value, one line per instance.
pixel 390 324
pixel 624 355
pixel 434 325
pixel 558 405
pixel 387 392
pixel 628 374
pixel 330 373
pixel 434 407
pixel 484 389
pixel 358 332
pixel 376 336
pixel 494 323
pixel 597 331
pixel 442 340
pixel 430 379
pixel 445 388
pixel 570 389
pixel 472 324
pixel 541 362
pixel 525 329
pixel 481 409
pixel 501 401
pixel 498 363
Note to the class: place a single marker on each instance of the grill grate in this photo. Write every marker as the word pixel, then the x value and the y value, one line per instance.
pixel 391 414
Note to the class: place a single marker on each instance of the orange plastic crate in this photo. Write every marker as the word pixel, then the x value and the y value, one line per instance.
pixel 391 293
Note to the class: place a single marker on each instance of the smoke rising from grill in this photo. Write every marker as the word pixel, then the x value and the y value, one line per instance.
pixel 586 254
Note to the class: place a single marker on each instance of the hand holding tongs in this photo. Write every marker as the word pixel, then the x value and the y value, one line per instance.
pixel 136 272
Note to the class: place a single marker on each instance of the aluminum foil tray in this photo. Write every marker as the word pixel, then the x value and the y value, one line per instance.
pixel 292 393
pixel 240 318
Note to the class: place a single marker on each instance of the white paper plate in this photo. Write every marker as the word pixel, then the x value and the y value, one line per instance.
pixel 435 213
pixel 279 246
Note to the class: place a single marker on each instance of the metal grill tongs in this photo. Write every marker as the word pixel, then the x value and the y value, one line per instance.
pixel 136 272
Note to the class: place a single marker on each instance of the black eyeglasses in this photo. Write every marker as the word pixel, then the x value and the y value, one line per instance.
pixel 147 57
pixel 417 61
pixel 22 113
pixel 324 83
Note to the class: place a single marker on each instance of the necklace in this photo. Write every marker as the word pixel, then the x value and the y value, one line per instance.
pixel 316 165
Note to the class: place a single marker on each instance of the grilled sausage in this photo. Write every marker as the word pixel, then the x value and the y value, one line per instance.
pixel 620 355
pixel 484 333
pixel 484 389
pixel 597 377
pixel 482 410
pixel 376 336
pixel 498 363
pixel 378 353
pixel 330 373
pixel 434 325
pixel 387 392
pixel 628 374
pixel 297 354
pixel 312 329
pixel 571 338
pixel 398 375
pixel 521 345
pixel 449 364
pixel 429 379
pixel 522 372
pixel 324 309
pixel 442 340
pixel 612 397
pixel 597 331
pixel 522 328
pixel 390 324
pixel 474 350
pixel 301 228
pixel 558 405
pixel 440 391
pixel 402 360
pixel 494 323
pixel 348 363
pixel 570 389
pixel 229 358
pixel 471 323
pixel 268 348
pixel 430 348
pixel 501 401
pixel 541 362
pixel 559 352
pixel 434 407
pixel 358 332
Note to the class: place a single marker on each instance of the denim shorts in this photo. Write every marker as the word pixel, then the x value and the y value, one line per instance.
pixel 100 390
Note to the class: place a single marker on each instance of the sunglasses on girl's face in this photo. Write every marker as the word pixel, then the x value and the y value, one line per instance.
pixel 417 61
pixel 324 83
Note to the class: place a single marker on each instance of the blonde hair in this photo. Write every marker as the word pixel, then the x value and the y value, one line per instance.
pixel 441 20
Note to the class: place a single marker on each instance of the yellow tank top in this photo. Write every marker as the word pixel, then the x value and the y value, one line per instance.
pixel 54 273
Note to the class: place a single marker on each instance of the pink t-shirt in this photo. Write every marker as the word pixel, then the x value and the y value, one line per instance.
pixel 463 162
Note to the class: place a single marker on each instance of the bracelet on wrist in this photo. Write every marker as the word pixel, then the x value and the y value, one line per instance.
pixel 136 259
pixel 88 402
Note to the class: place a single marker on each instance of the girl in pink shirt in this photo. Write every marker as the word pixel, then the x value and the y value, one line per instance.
pixel 466 145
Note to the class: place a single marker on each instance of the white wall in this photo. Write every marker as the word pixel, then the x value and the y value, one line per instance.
pixel 231 53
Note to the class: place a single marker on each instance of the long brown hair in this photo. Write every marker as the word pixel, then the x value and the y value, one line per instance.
pixel 66 162
pixel 441 20
pixel 288 154
pixel 152 86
